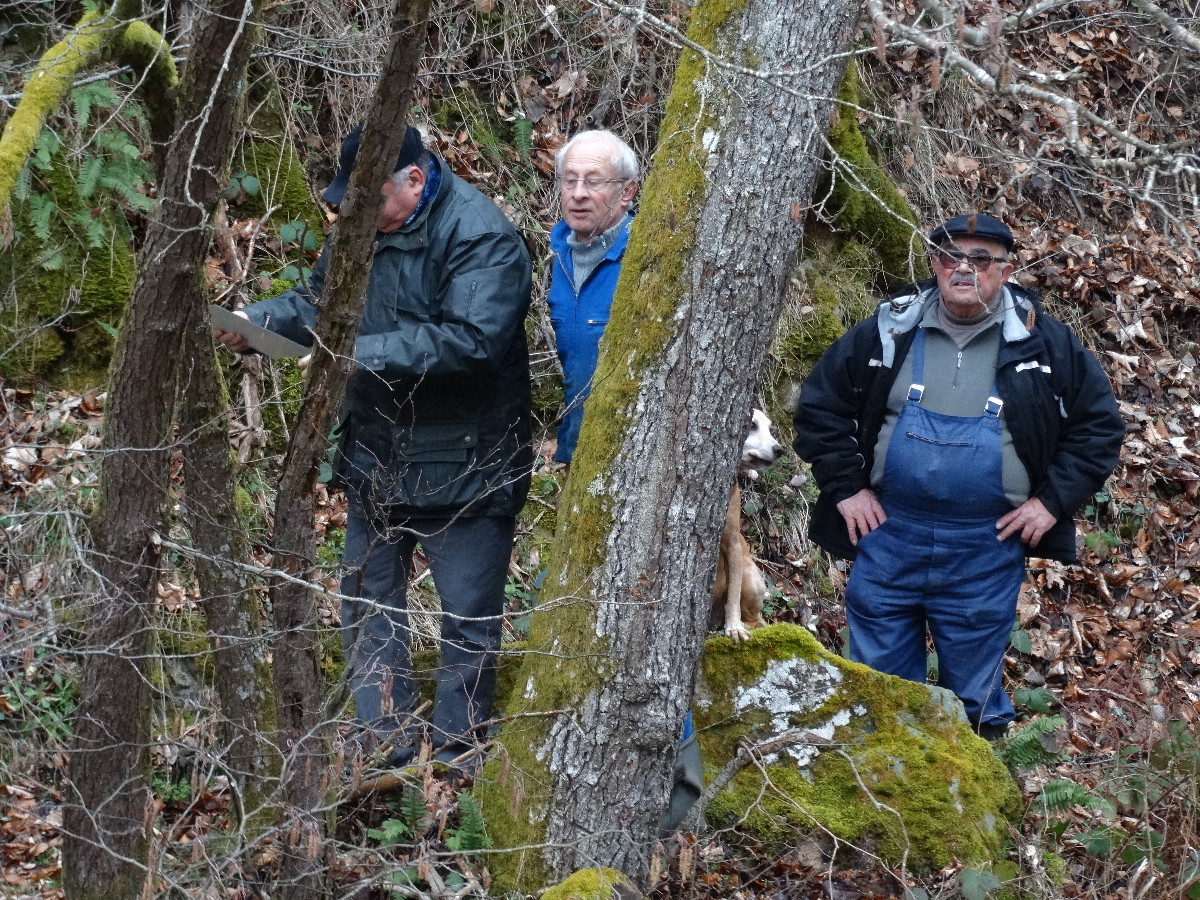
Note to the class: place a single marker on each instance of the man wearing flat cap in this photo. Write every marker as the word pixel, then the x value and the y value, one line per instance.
pixel 953 433
pixel 434 441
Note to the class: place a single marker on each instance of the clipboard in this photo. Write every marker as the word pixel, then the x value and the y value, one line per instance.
pixel 265 342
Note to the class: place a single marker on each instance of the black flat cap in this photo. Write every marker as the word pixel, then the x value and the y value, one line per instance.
pixel 976 225
pixel 409 153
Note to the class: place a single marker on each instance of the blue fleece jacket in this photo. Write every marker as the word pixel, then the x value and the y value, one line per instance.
pixel 579 319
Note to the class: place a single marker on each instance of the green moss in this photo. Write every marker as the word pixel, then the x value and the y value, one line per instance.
pixel 868 207
pixel 185 633
pixel 901 740
pixel 63 297
pixel 1056 868
pixel 44 91
pixel 286 405
pixel 282 184
pixel 149 54
pixel 571 660
pixel 833 277
pixel 330 654
pixel 592 884
pixel 462 108
pixel 96 37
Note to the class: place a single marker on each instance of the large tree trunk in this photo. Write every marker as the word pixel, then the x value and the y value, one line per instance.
pixel 107 819
pixel 623 615
pixel 231 608
pixel 300 688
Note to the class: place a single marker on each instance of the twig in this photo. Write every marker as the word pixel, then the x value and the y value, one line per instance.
pixel 746 755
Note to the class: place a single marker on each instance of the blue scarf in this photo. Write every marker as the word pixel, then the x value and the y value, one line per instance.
pixel 432 182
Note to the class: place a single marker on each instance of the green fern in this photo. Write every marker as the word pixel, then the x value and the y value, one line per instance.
pixel 412 808
pixel 390 832
pixel 1060 795
pixel 96 95
pixel 1033 745
pixel 523 137
pixel 89 175
pixel 469 837
pixel 41 208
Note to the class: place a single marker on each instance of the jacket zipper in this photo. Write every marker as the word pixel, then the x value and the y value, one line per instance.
pixel 957 367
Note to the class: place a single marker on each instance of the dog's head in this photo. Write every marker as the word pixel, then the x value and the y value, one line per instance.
pixel 761 449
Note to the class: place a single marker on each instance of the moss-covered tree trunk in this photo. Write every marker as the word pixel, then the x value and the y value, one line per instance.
pixel 98 37
pixel 300 687
pixel 108 810
pixel 615 641
pixel 241 673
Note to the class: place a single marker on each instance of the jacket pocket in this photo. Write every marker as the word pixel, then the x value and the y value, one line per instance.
pixel 436 466
pixel 436 443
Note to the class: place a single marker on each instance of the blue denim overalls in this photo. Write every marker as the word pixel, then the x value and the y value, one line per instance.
pixel 936 561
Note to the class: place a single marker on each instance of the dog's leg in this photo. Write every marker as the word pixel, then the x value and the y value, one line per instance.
pixel 754 588
pixel 731 541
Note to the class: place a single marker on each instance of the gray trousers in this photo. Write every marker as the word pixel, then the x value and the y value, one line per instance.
pixel 469 559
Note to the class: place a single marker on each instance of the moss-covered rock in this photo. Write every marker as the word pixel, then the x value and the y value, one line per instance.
pixel 829 293
pixel 461 107
pixel 936 790
pixel 65 282
pixel 594 884
pixel 282 184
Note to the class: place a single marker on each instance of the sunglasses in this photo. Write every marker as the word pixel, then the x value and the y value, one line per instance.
pixel 979 261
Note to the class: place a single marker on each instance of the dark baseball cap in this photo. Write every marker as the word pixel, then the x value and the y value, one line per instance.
pixel 976 225
pixel 409 154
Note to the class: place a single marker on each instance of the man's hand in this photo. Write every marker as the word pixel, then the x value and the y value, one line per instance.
pixel 1031 518
pixel 862 513
pixel 232 339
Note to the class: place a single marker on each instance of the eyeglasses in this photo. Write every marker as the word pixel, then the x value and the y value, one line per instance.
pixel 980 262
pixel 591 184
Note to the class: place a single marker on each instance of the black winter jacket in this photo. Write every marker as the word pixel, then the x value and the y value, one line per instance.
pixel 1064 422
pixel 436 419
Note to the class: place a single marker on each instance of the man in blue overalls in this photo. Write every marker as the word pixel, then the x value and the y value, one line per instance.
pixel 951 434
pixel 597 180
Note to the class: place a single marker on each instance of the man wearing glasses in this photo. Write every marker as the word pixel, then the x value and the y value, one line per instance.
pixel 598 178
pixel 951 434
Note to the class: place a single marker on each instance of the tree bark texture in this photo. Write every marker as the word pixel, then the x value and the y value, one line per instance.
pixel 231 607
pixel 106 820
pixel 624 606
pixel 299 685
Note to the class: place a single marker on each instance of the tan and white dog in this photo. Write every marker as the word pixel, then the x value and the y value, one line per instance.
pixel 740 589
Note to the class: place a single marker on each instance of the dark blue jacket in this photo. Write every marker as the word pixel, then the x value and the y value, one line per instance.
pixel 436 420
pixel 579 321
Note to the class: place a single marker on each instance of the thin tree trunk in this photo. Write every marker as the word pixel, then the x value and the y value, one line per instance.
pixel 299 686
pixel 108 806
pixel 241 673
pixel 625 602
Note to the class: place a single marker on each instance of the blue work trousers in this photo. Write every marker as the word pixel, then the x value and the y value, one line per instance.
pixel 954 579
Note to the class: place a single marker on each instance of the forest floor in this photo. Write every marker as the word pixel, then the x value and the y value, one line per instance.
pixel 1102 664
pixel 1104 655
